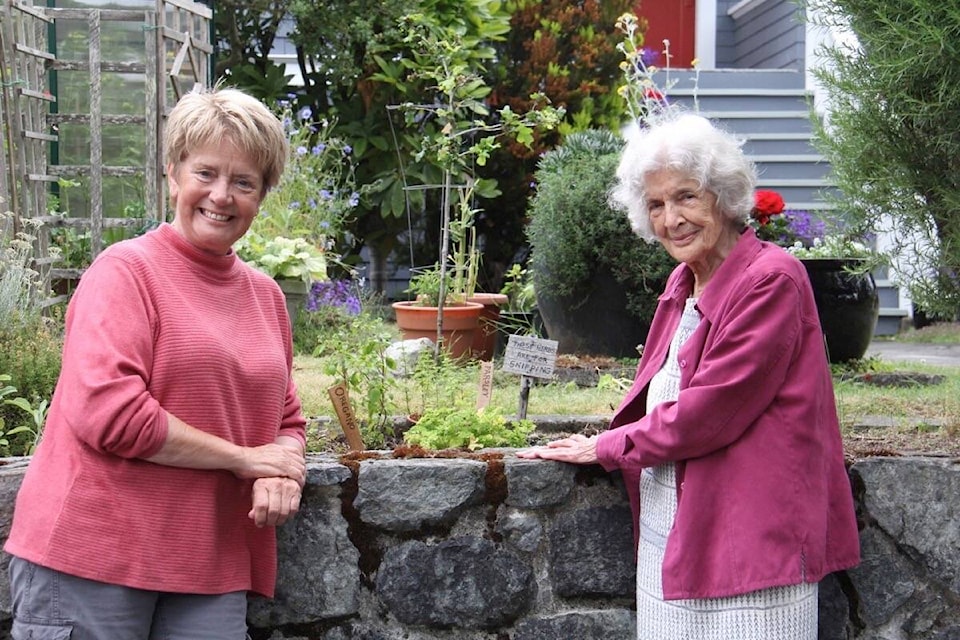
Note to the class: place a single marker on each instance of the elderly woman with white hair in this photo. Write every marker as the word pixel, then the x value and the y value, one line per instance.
pixel 728 440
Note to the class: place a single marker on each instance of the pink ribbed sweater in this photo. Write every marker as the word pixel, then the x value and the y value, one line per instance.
pixel 157 326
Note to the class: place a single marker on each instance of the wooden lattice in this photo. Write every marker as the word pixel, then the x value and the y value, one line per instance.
pixel 176 56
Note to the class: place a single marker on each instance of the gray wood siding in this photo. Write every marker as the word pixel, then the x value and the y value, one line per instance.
pixel 770 37
pixel 726 40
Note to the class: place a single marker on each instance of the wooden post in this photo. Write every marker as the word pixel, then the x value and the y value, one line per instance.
pixel 340 396
pixel 525 383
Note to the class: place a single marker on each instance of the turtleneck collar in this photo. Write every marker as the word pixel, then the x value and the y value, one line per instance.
pixel 216 266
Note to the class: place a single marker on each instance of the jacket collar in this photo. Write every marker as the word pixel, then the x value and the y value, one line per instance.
pixel 681 286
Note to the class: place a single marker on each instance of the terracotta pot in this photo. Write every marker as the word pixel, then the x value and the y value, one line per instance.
pixel 460 322
pixel 485 337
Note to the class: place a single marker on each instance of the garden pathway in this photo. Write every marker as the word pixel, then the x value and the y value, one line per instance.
pixel 927 353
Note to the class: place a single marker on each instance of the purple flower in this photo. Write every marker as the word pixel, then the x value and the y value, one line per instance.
pixel 803 226
pixel 305 114
pixel 318 149
pixel 649 56
pixel 301 151
pixel 334 293
pixel 347 149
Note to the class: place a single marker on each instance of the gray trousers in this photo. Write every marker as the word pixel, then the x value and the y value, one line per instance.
pixel 51 605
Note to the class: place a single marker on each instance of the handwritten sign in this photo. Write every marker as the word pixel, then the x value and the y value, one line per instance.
pixel 340 396
pixel 485 389
pixel 529 356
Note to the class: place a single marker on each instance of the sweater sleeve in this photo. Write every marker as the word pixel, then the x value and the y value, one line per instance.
pixel 107 359
pixel 744 361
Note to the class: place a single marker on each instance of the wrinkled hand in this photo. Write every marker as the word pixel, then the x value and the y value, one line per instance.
pixel 272 461
pixel 275 500
pixel 577 449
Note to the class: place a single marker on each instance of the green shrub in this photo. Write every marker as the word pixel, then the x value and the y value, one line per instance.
pixel 575 233
pixel 30 354
pixel 30 344
pixel 890 134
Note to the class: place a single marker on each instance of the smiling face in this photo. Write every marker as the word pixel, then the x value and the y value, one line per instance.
pixel 216 190
pixel 686 220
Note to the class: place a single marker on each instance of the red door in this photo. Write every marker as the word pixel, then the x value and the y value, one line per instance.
pixel 673 20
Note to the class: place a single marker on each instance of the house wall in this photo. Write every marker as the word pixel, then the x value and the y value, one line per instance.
pixel 760 34
pixel 726 38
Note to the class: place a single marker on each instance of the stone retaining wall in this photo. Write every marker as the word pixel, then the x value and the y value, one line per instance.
pixel 497 548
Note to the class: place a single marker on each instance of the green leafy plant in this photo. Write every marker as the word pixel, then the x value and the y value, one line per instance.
pixel 30 343
pixel 519 288
pixel 283 257
pixel 439 381
pixel 353 348
pixel 467 428
pixel 458 132
pixel 318 193
pixel 300 230
pixel 21 439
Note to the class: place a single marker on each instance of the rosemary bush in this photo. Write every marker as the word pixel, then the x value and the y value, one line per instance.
pixel 575 233
pixel 891 134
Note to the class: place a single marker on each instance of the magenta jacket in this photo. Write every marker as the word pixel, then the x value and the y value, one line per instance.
pixel 763 495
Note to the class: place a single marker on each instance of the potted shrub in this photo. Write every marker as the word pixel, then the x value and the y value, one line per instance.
pixel 458 132
pixel 596 281
pixel 451 324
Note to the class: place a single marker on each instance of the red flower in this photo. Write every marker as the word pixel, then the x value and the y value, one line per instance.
pixel 765 205
pixel 652 94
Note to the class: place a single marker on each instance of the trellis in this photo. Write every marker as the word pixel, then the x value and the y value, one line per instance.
pixel 177 55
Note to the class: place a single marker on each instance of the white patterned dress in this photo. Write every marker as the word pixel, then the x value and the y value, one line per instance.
pixel 778 613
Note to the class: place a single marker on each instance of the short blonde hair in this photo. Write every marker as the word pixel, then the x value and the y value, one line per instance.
pixel 207 116
pixel 693 146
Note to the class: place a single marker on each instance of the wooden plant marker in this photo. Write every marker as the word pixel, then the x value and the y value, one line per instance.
pixel 340 396
pixel 485 390
pixel 530 358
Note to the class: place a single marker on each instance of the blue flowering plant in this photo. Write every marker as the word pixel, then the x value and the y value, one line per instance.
pixel 310 207
pixel 338 294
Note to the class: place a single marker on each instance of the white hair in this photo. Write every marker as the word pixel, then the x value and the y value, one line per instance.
pixel 693 146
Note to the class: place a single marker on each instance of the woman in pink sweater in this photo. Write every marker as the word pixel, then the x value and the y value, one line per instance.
pixel 175 442
pixel 728 440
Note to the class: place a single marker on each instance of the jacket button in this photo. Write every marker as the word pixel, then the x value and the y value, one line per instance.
pixel 683 363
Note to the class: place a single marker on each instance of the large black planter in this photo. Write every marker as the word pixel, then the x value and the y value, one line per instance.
pixel 597 324
pixel 848 306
